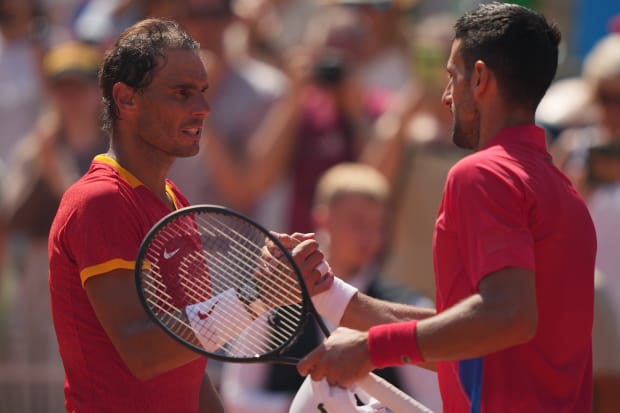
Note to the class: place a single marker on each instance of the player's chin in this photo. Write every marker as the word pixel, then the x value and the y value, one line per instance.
pixel 188 146
pixel 188 151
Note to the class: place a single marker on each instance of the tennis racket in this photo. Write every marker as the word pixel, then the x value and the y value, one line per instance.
pixel 209 277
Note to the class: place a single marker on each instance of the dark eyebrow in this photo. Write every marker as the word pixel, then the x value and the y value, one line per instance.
pixel 191 86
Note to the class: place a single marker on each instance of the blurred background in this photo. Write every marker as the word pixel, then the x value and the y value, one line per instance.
pixel 297 88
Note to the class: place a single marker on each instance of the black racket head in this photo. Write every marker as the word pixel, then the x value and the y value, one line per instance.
pixel 198 271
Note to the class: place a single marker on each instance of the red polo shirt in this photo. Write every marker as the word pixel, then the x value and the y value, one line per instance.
pixel 507 205
pixel 99 226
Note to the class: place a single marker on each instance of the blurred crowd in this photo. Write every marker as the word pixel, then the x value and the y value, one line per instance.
pixel 309 98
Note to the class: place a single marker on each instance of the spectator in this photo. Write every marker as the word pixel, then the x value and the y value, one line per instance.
pixel 587 154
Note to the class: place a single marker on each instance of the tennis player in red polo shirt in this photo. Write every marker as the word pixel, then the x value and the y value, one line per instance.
pixel 514 247
pixel 116 359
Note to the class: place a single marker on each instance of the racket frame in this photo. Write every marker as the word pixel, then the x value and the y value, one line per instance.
pixel 273 356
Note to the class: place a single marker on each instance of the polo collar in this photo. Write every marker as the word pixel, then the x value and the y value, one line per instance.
pixel 129 177
pixel 526 134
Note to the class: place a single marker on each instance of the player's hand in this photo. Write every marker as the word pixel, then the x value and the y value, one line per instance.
pixel 289 241
pixel 342 359
pixel 309 258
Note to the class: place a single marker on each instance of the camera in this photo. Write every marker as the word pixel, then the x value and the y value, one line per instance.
pixel 329 69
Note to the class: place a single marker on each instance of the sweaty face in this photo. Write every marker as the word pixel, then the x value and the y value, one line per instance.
pixel 458 97
pixel 173 107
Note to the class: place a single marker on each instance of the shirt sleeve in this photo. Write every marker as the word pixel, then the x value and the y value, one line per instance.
pixel 104 234
pixel 489 211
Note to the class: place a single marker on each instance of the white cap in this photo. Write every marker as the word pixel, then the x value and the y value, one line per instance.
pixel 320 397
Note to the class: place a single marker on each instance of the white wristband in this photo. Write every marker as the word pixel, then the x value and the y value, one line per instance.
pixel 213 327
pixel 332 303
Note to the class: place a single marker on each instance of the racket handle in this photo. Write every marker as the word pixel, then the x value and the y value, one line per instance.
pixel 391 396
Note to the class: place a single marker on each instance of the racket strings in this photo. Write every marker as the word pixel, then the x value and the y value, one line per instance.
pixel 286 326
pixel 178 324
pixel 254 254
pixel 240 265
pixel 238 268
pixel 181 327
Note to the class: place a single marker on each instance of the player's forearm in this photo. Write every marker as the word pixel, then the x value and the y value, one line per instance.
pixel 472 328
pixel 363 312
pixel 502 314
pixel 147 350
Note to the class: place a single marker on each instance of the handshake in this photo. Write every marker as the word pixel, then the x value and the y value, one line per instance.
pixel 279 281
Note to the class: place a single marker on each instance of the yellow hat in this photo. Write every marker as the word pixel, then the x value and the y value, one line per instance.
pixel 72 58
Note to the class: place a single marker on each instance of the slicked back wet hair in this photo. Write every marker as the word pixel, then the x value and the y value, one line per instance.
pixel 134 58
pixel 518 44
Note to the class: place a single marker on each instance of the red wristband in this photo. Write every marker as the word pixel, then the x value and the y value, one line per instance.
pixel 394 344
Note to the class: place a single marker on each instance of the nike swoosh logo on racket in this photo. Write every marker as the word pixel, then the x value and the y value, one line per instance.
pixel 170 254
pixel 202 315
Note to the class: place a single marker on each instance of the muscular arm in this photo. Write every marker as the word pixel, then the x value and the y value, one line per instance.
pixel 503 313
pixel 364 312
pixel 144 347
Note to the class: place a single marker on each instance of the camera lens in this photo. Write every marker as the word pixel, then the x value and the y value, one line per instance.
pixel 329 70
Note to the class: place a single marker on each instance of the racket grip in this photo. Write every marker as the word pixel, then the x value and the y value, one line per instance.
pixel 391 396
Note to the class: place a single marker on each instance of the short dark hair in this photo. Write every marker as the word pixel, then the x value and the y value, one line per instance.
pixel 518 44
pixel 134 57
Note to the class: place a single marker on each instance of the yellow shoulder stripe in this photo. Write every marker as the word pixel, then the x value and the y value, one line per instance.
pixel 115 264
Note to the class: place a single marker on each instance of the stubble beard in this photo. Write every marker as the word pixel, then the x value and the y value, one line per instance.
pixel 465 135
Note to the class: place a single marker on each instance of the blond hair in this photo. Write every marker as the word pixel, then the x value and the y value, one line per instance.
pixel 349 178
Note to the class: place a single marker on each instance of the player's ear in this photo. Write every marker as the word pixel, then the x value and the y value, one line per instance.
pixel 480 78
pixel 124 96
